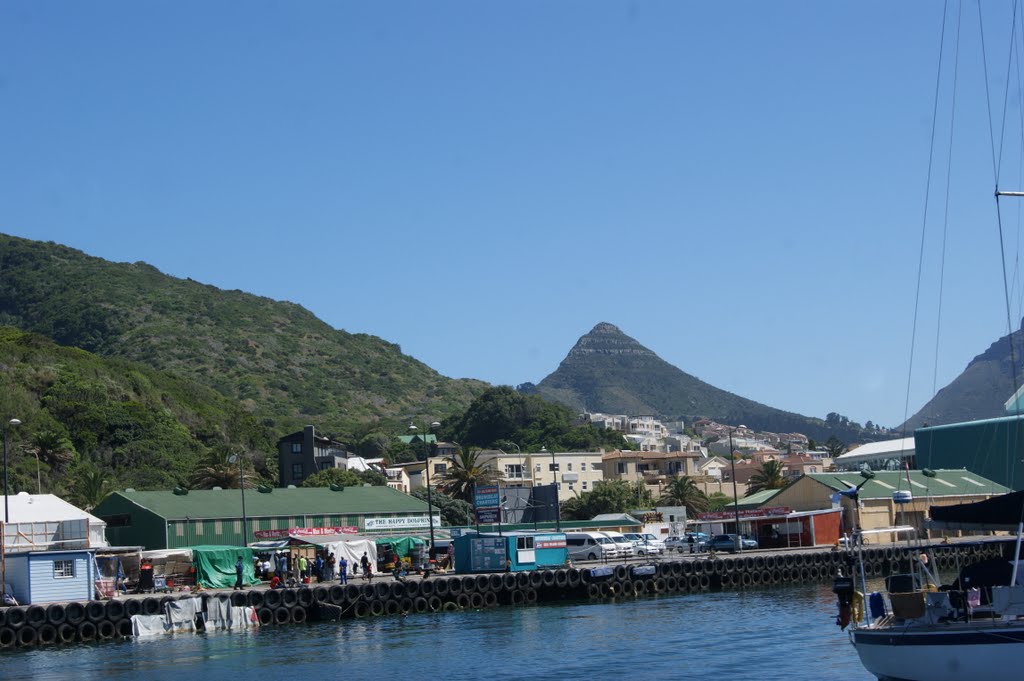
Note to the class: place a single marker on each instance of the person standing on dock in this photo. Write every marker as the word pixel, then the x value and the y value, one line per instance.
pixel 343 570
pixel 238 573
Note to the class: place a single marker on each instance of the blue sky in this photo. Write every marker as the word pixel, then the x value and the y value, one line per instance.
pixel 740 186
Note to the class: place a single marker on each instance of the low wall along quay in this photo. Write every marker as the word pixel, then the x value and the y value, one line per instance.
pixel 56 623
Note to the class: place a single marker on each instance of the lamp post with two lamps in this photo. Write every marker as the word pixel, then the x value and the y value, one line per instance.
pixel 735 494
pixel 426 469
pixel 554 479
pixel 13 423
pixel 241 486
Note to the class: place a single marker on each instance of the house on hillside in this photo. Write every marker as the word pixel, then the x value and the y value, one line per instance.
pixel 303 453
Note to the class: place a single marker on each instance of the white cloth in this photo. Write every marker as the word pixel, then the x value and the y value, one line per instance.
pixel 148 625
pixel 181 615
pixel 243 618
pixel 218 613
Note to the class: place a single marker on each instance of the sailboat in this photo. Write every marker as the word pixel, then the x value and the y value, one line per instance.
pixel 970 630
pixel 973 629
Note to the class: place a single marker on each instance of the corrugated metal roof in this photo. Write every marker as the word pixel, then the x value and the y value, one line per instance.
pixel 971 424
pixel 280 502
pixel 756 499
pixel 878 449
pixel 946 483
pixel 43 508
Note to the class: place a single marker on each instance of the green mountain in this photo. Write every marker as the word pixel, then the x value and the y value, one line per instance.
pixel 980 391
pixel 136 426
pixel 276 359
pixel 609 372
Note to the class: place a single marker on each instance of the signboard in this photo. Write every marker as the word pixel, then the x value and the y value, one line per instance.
pixel 549 541
pixel 486 496
pixel 401 522
pixel 487 554
pixel 488 516
pixel 304 532
pixel 745 513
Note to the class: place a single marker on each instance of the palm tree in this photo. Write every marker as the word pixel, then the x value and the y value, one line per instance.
pixel 218 470
pixel 683 491
pixel 768 477
pixel 464 474
pixel 90 487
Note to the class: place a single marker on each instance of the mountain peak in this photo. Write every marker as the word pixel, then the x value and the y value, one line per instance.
pixel 607 339
pixel 605 328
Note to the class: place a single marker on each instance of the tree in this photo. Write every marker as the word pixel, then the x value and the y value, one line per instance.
pixel 373 445
pixel 683 491
pixel 372 477
pixel 453 511
pixel 341 477
pixel 464 474
pixel 90 486
pixel 718 500
pixel 218 470
pixel 608 496
pixel 835 447
pixel 769 476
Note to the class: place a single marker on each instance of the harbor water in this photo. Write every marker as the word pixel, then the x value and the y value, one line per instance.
pixel 776 634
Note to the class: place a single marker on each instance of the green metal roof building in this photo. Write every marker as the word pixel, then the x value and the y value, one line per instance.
pixel 990 448
pixel 176 519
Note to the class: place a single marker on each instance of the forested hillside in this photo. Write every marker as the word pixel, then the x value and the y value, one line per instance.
pixel 276 359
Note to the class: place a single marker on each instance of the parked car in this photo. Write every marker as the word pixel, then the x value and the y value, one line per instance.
pixel 590 546
pixel 624 546
pixel 727 542
pixel 646 544
pixel 691 542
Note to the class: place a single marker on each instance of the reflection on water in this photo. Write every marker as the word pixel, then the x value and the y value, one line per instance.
pixel 778 634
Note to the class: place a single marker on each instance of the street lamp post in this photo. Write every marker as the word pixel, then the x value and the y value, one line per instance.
pixel 7 427
pixel 241 486
pixel 426 469
pixel 735 494
pixel 554 478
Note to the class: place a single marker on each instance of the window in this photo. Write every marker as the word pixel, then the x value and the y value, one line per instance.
pixel 296 471
pixel 537 469
pixel 179 529
pixel 199 528
pixel 524 543
pixel 571 488
pixel 238 526
pixel 63 569
pixel 584 484
pixel 440 468
pixel 568 466
pixel 552 467
pixel 513 471
pixel 296 448
pixel 620 468
pixel 218 527
pixel 595 466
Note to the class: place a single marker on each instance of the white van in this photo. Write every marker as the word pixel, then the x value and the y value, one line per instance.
pixel 590 546
pixel 624 545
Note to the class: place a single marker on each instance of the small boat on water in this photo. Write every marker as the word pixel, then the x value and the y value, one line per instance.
pixel 970 630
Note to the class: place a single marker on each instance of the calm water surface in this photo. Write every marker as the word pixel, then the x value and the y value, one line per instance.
pixel 785 634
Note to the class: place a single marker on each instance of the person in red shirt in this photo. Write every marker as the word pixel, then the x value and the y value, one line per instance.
pixel 275 582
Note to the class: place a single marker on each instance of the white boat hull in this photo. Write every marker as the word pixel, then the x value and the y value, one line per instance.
pixel 954 652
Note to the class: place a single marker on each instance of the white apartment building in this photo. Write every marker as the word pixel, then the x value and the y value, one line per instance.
pixel 572 471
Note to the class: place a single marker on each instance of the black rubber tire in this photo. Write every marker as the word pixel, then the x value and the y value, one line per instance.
pixel 105 630
pixel 440 588
pixel 336 595
pixel 462 600
pixel 561 578
pixel 321 594
pixel 65 633
pixel 376 608
pixel 420 604
pixel 454 586
pixel 434 604
pixel 265 616
pixel 398 590
pixel 46 634
pixel 574 578
pixel 536 579
pixel 476 600
pixel 56 614
pixel 468 584
pixel 306 597
pixel 35 616
pixel 391 607
pixel 412 589
pixel 254 599
pixel 405 605
pixel 95 611
pixel 531 597
pixel 238 599
pixel 671 584
pixel 289 598
pixel 593 591
pixel 124 628
pixel 8 637
pixel 360 609
pixel 87 631
pixel 483 583
pixel 518 597
pixel 490 599
pixel 427 588
pixel 27 637
pixel 115 611
pixel 133 606
pixel 150 606
pixel 272 598
pixel 352 592
pixel 298 615
pixel 497 582
pixel 74 614
pixel 282 615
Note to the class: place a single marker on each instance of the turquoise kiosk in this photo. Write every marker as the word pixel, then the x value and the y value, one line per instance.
pixel 516 551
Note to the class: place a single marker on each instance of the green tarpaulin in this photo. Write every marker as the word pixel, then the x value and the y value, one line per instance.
pixel 215 566
pixel 402 545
